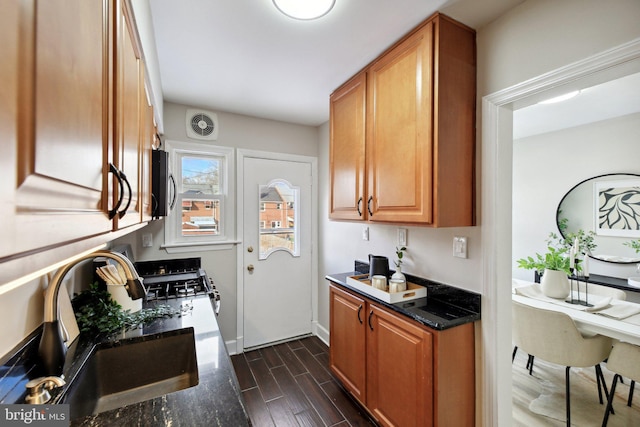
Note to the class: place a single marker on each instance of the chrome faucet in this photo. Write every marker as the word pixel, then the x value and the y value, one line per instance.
pixel 52 350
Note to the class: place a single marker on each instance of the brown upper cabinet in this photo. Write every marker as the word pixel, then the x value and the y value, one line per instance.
pixel 72 81
pixel 129 124
pixel 403 132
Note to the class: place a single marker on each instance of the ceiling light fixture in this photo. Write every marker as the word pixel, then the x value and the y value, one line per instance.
pixel 560 98
pixel 304 9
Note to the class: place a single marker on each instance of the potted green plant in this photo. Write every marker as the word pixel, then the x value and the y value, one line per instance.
pixel 554 265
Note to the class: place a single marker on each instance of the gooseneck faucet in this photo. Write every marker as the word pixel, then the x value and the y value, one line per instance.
pixel 52 350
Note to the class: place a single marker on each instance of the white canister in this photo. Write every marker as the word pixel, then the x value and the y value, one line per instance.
pixel 396 285
pixel 119 294
pixel 379 282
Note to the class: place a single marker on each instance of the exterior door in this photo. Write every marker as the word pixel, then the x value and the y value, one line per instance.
pixel 277 262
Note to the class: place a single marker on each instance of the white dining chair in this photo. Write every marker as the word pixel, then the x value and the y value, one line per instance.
pixel 553 336
pixel 624 361
pixel 593 289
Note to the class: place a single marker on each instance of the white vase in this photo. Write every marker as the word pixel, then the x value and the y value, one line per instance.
pixel 555 284
pixel 398 280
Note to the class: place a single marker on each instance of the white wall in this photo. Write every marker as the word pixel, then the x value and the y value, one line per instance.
pixel 234 131
pixel 546 166
pixel 539 36
pixel 535 38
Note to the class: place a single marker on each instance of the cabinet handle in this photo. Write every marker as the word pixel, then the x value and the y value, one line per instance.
pixel 359 310
pixel 175 192
pixel 369 205
pixel 123 212
pixel 154 204
pixel 359 210
pixel 116 173
pixel 370 315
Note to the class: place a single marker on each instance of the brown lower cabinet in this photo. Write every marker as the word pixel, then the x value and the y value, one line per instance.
pixel 403 373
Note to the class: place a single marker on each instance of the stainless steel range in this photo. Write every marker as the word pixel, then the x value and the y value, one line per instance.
pixel 177 278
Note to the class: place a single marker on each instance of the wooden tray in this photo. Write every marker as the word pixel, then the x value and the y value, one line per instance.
pixel 362 283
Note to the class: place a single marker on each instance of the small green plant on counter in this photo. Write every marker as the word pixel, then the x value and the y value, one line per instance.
pixel 96 313
pixel 400 254
pixel 553 259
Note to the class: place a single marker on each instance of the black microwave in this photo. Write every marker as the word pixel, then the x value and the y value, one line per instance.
pixel 163 184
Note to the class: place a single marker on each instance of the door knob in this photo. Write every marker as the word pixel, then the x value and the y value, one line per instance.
pixel 250 268
pixel 250 249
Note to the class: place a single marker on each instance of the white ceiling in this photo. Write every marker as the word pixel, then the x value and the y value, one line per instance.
pixel 615 98
pixel 245 57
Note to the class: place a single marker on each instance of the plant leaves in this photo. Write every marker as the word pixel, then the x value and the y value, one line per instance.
pixel 96 313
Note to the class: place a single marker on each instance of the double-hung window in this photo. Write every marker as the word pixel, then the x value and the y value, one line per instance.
pixel 204 212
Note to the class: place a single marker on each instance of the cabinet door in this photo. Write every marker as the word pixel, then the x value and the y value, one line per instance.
pixel 454 113
pixel 347 341
pixel 127 152
pixel 347 151
pixel 399 370
pixel 400 132
pixel 148 142
pixel 55 123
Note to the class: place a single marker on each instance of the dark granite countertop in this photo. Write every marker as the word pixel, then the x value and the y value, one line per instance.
pixel 444 307
pixel 216 400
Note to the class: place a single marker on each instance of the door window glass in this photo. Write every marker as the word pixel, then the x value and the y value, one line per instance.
pixel 278 218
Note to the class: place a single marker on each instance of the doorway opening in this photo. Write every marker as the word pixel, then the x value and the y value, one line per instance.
pixel 497 155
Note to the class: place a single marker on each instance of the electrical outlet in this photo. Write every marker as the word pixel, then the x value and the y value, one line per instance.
pixel 460 247
pixel 147 240
pixel 365 233
pixel 402 237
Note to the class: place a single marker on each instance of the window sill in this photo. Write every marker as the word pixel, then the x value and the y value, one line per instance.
pixel 178 248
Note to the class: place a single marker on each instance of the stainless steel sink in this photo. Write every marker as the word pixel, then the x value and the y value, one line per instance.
pixel 133 370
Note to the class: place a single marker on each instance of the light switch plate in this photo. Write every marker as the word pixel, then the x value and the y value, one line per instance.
pixel 147 240
pixel 460 247
pixel 402 237
pixel 365 233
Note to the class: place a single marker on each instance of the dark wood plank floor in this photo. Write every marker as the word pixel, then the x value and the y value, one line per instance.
pixel 290 384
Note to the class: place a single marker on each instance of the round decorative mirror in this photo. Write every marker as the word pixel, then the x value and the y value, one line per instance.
pixel 608 208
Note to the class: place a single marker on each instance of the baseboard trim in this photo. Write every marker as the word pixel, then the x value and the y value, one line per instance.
pixel 236 346
pixel 232 347
pixel 321 332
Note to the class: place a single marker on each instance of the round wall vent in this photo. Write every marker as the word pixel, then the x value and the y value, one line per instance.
pixel 202 125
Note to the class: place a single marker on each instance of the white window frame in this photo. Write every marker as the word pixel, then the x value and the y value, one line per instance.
pixel 174 242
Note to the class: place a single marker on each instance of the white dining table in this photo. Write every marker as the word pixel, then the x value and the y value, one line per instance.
pixel 627 329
